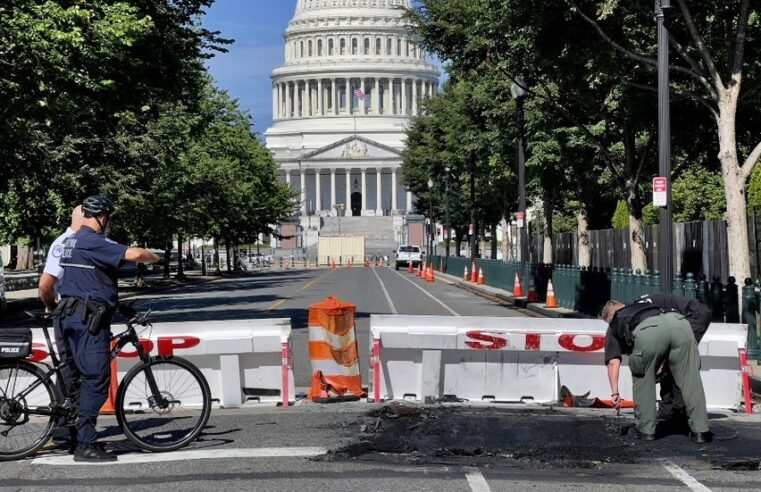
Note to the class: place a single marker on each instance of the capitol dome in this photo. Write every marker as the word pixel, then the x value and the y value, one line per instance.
pixel 353 77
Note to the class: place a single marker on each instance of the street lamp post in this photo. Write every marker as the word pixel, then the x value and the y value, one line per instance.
pixel 446 208
pixel 520 94
pixel 430 217
pixel 662 9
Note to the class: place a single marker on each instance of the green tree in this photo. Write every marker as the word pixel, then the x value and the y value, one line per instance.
pixel 620 216
pixel 698 194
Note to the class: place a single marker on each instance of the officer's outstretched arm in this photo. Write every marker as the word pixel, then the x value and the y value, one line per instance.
pixel 140 255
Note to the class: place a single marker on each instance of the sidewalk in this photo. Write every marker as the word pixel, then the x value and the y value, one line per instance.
pixel 506 297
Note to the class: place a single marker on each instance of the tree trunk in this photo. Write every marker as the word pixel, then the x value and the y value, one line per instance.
pixel 547 256
pixel 167 256
pixel 584 252
pixel 494 241
pixel 216 257
pixel 227 253
pixel 505 239
pixel 636 231
pixel 734 189
pixel 180 270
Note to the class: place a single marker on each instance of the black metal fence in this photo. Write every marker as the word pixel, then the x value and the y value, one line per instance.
pixel 699 248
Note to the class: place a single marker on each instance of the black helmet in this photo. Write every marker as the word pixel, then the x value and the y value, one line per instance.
pixel 97 206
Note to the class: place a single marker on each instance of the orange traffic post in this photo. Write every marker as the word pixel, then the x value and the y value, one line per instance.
pixel 517 289
pixel 109 407
pixel 333 351
pixel 551 301
pixel 481 279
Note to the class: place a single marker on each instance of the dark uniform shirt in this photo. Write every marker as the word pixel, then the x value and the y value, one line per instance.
pixel 693 310
pixel 90 261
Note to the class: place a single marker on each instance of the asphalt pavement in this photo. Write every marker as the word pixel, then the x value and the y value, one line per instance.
pixel 355 446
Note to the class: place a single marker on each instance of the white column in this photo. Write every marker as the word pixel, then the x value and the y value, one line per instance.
pixel 288 100
pixel 334 95
pixel 318 192
pixel 363 86
pixel 378 194
pixel 274 101
pixel 376 97
pixel 332 188
pixel 349 96
pixel 414 97
pixel 404 96
pixel 308 91
pixel 409 202
pixel 320 95
pixel 347 205
pixel 394 204
pixel 364 190
pixel 303 192
pixel 296 98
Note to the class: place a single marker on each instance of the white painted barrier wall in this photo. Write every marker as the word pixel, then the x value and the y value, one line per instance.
pixel 241 359
pixel 521 359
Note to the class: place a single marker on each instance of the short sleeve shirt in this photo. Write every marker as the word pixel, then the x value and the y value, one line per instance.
pixel 52 266
pixel 91 262
pixel 612 346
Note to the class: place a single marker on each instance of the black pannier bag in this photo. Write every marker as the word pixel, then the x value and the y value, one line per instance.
pixel 15 343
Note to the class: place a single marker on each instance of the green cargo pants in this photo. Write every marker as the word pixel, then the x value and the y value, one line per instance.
pixel 666 336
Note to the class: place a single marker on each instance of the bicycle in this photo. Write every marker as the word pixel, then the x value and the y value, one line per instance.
pixel 162 404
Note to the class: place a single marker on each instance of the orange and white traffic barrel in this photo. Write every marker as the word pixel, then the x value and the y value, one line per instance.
pixel 333 351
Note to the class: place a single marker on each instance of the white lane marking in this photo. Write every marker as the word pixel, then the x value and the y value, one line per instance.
pixel 685 477
pixel 428 294
pixel 197 454
pixel 385 292
pixel 477 481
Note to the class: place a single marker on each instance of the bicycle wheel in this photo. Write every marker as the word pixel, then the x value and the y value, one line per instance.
pixel 188 398
pixel 26 400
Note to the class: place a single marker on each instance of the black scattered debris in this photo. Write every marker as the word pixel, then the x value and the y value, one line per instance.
pixel 409 433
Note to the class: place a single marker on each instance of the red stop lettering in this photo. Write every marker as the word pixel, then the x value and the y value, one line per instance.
pixel 168 344
pixel 39 352
pixel 533 341
pixel 147 346
pixel 568 342
pixel 486 341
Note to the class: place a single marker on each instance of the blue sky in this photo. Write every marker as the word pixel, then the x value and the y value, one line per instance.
pixel 257 27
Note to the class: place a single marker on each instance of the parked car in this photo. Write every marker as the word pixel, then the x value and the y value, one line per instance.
pixel 408 254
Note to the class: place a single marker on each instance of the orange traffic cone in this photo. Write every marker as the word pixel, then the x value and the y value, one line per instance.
pixel 333 265
pixel 551 302
pixel 474 273
pixel 367 263
pixel 419 272
pixel 465 274
pixel 109 407
pixel 411 269
pixel 517 289
pixel 481 279
pixel 431 274
pixel 532 297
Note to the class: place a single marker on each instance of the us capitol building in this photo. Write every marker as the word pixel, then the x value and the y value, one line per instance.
pixel 333 146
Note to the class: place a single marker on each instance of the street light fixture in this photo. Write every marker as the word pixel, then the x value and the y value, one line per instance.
pixel 662 9
pixel 430 217
pixel 520 94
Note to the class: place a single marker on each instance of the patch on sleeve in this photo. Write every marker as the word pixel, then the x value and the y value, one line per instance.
pixel 57 251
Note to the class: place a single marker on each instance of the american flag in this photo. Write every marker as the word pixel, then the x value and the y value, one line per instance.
pixel 358 93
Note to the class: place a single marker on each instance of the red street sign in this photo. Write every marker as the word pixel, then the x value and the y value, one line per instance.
pixel 519 216
pixel 660 191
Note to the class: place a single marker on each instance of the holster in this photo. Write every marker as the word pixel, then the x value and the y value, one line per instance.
pixel 96 315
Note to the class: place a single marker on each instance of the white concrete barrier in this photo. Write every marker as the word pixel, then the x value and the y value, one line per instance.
pixel 244 361
pixel 521 359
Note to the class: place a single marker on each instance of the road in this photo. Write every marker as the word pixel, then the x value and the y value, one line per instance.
pixel 343 447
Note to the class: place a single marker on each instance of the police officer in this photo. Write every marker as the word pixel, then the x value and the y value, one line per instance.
pixel 651 335
pixel 671 406
pixel 88 298
pixel 48 288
